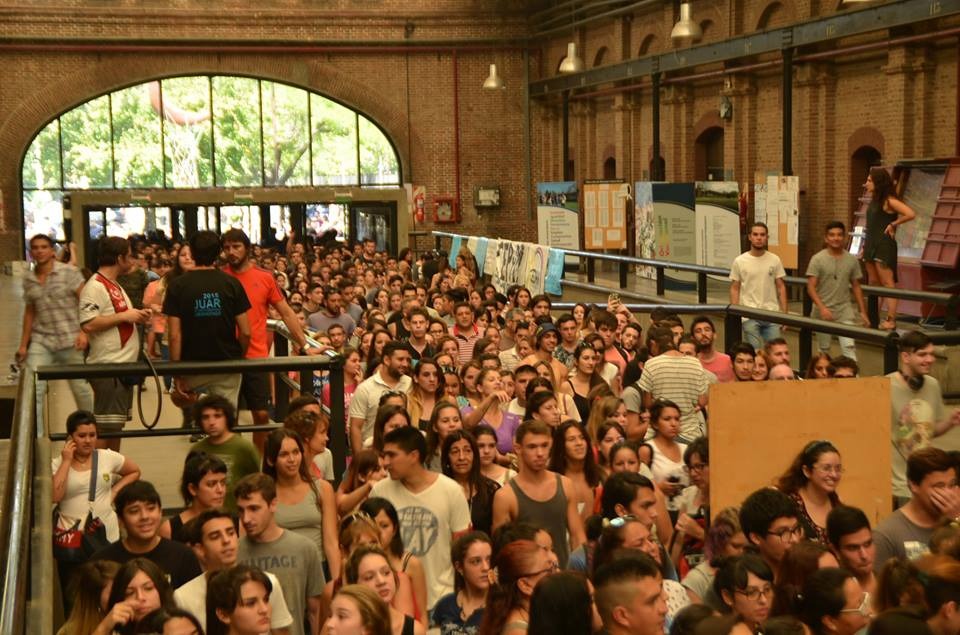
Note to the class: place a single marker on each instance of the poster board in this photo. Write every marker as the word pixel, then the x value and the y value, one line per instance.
pixel 718 222
pixel 675 229
pixel 558 216
pixel 605 214
pixel 777 204
pixel 644 227
pixel 758 428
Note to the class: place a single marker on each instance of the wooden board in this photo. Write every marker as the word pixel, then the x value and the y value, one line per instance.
pixel 756 429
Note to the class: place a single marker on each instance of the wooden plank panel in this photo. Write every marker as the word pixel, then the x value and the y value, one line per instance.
pixel 757 428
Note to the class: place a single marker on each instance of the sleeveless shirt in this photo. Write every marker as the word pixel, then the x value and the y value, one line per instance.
pixel 549 515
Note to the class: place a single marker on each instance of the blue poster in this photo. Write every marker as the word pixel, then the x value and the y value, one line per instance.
pixel 454 250
pixel 554 272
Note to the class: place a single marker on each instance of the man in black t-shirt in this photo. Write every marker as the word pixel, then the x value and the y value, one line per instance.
pixel 207 318
pixel 139 511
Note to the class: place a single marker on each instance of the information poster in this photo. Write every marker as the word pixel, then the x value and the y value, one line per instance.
pixel 604 214
pixel 675 227
pixel 646 233
pixel 777 204
pixel 558 216
pixel 718 222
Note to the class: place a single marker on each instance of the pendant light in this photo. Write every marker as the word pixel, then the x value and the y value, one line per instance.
pixel 686 28
pixel 571 63
pixel 493 81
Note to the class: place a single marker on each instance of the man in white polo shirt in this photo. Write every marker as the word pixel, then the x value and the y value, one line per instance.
pixel 390 377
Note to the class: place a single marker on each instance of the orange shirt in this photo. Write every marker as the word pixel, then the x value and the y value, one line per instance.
pixel 262 291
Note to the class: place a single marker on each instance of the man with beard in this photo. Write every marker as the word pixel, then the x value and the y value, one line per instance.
pixel 714 361
pixel 262 292
pixel 331 313
pixel 390 377
pixel 756 280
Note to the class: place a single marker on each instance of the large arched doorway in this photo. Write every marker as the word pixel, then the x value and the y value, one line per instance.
pixel 227 134
pixel 708 155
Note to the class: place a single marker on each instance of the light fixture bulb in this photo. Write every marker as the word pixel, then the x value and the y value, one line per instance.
pixel 571 63
pixel 493 81
pixel 686 28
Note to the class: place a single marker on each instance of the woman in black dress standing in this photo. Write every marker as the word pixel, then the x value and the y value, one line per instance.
pixel 884 213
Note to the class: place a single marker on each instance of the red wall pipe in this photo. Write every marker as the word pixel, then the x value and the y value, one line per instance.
pixel 456 126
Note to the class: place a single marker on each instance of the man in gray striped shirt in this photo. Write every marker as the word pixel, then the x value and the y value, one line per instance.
pixel 681 379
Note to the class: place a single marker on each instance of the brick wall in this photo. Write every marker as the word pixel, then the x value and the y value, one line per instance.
pixel 901 100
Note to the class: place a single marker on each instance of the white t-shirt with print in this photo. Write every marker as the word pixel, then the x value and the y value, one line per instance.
pixel 192 597
pixel 428 521
pixel 107 346
pixel 75 505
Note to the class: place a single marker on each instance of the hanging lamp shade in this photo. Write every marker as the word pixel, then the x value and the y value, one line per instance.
pixel 571 63
pixel 493 81
pixel 686 28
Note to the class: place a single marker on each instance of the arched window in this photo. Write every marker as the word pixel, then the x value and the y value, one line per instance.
pixel 216 131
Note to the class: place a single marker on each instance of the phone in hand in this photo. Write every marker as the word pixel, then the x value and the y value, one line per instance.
pixel 613 299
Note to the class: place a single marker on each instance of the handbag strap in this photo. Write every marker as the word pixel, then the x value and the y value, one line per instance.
pixel 92 494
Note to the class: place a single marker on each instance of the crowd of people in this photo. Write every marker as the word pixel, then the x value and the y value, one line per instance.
pixel 510 469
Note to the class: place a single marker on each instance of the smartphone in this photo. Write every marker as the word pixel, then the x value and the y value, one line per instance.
pixel 613 298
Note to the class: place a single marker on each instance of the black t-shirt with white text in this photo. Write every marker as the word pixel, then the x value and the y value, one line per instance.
pixel 177 560
pixel 207 301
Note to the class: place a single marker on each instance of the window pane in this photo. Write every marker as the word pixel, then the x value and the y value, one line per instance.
pixel 286 141
pixel 41 164
pixel 43 213
pixel 334 143
pixel 86 145
pixel 186 132
pixel 236 126
pixel 322 217
pixel 123 221
pixel 378 161
pixel 245 217
pixel 136 136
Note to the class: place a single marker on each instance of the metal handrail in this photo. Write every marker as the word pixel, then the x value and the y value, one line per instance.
pixel 15 522
pixel 873 293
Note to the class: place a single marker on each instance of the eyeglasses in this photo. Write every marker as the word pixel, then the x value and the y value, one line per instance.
pixel 753 593
pixel 864 607
pixel 829 469
pixel 796 532
pixel 695 467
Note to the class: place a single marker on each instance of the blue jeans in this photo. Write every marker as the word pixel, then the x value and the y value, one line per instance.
pixel 756 333
pixel 39 355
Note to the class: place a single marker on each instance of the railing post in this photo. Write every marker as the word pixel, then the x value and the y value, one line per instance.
pixel 732 329
pixel 807 303
pixel 437 243
pixel 280 349
pixel 806 346
pixel 338 419
pixel 951 316
pixel 701 287
pixel 891 353
pixel 873 310
pixel 661 281
pixel 591 270
pixel 622 266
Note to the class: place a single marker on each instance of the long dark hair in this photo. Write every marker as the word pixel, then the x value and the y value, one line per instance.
pixel 791 481
pixel 433 437
pixel 481 494
pixel 561 603
pixel 798 564
pixel 883 185
pixel 430 361
pixel 372 507
pixel 272 450
pixel 126 573
pixel 458 553
pixel 558 454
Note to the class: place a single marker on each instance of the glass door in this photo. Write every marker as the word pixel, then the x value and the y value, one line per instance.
pixel 377 221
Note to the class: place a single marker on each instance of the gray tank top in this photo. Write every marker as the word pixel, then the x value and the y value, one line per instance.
pixel 550 515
